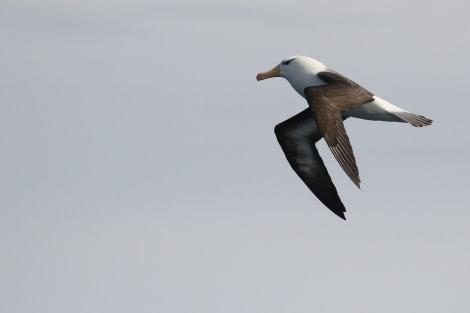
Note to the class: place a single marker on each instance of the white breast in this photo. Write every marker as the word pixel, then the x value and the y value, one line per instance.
pixel 302 73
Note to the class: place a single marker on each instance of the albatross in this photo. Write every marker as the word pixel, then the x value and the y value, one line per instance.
pixel 331 98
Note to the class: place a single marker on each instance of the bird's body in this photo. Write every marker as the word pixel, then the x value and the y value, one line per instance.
pixel 331 98
pixel 307 75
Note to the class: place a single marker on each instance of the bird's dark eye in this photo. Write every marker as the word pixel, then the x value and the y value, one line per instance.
pixel 286 62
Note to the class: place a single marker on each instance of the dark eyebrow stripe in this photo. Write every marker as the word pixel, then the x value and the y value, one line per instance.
pixel 286 62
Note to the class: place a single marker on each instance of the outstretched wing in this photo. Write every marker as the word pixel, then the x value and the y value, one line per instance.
pixel 297 137
pixel 327 102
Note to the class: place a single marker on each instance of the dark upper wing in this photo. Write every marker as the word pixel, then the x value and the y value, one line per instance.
pixel 297 137
pixel 327 102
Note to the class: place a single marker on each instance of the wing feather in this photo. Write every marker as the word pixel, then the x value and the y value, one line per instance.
pixel 327 103
pixel 297 137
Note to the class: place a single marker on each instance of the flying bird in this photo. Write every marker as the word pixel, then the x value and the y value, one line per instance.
pixel 331 99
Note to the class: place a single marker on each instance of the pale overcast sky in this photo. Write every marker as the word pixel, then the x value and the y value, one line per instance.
pixel 140 171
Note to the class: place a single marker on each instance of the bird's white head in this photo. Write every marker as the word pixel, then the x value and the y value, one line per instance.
pixel 300 71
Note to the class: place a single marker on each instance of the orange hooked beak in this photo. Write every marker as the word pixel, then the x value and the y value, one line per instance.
pixel 275 72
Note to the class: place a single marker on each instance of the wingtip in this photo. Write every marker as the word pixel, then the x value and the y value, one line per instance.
pixel 356 181
pixel 341 215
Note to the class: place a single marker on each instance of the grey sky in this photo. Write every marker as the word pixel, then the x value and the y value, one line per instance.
pixel 140 171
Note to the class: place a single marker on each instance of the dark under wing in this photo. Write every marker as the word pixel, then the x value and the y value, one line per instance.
pixel 297 137
pixel 328 102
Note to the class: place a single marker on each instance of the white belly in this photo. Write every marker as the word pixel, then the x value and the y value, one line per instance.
pixel 377 110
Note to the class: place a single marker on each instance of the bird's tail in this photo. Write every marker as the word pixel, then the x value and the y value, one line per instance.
pixel 413 119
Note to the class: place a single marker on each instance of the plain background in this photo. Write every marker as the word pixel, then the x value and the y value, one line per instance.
pixel 140 172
